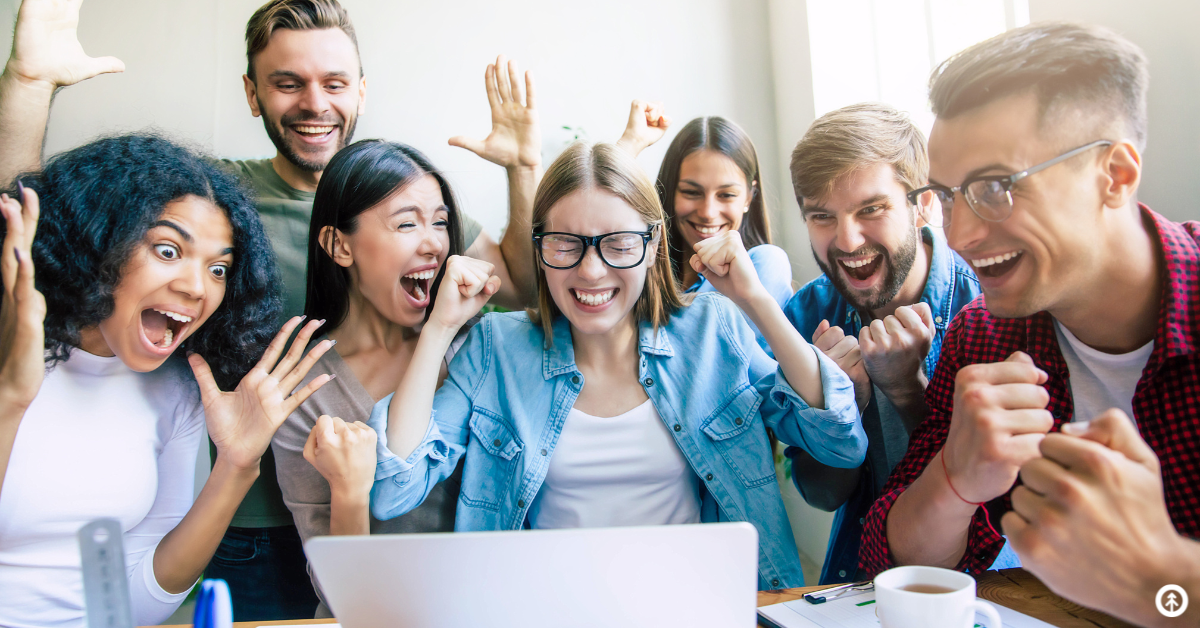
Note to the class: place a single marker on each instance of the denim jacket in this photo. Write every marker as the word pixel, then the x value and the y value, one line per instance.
pixel 950 286
pixel 507 396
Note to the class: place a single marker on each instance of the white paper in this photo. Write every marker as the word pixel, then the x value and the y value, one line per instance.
pixel 858 611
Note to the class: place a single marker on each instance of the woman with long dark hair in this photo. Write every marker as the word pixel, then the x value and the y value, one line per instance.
pixel 709 183
pixel 144 252
pixel 384 223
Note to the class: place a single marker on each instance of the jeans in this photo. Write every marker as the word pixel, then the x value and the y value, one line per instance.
pixel 267 573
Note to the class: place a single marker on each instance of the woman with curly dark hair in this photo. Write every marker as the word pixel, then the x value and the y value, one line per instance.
pixel 143 249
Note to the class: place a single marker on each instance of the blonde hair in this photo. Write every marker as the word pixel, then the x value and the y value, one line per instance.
pixel 297 15
pixel 851 138
pixel 605 167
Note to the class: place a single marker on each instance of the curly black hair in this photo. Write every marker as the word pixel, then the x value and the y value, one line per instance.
pixel 97 203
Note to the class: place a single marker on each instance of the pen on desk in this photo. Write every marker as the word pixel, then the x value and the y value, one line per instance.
pixel 820 597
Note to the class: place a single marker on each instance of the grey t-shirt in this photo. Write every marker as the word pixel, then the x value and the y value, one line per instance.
pixel 286 213
pixel 306 492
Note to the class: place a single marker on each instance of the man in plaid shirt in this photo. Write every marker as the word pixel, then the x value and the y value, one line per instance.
pixel 1089 315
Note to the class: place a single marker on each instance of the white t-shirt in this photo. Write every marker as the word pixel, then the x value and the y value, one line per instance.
pixel 1101 381
pixel 624 470
pixel 99 440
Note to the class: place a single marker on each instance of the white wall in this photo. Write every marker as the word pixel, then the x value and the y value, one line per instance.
pixel 1165 30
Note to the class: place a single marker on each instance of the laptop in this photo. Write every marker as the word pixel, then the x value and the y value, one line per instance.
pixel 701 576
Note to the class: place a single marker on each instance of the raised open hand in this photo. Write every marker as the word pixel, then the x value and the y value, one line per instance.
pixel 23 310
pixel 516 137
pixel 242 422
pixel 647 124
pixel 46 48
pixel 466 286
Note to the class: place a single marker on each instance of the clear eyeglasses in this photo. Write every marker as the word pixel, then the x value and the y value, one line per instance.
pixel 619 249
pixel 989 196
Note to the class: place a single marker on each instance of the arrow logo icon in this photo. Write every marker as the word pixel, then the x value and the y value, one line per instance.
pixel 1171 600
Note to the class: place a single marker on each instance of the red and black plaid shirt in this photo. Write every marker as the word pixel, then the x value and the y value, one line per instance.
pixel 1166 404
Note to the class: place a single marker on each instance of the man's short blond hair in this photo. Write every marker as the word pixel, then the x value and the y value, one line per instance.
pixel 297 15
pixel 855 137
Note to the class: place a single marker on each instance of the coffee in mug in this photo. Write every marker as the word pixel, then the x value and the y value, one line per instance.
pixel 929 597
pixel 926 588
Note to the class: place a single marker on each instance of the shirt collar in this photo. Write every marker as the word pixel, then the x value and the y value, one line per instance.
pixel 939 285
pixel 559 358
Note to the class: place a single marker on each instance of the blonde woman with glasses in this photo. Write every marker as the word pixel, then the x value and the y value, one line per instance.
pixel 617 402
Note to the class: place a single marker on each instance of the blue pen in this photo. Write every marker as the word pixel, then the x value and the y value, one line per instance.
pixel 214 608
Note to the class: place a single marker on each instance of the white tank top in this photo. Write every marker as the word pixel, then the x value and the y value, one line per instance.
pixel 616 471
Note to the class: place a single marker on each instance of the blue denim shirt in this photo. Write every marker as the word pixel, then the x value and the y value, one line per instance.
pixel 506 398
pixel 950 286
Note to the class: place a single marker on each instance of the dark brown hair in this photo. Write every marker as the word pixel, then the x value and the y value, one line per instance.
pixel 859 136
pixel 722 136
pixel 605 167
pixel 1063 64
pixel 297 15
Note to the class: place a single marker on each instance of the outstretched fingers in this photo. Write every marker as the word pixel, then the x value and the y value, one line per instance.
pixel 489 84
pixel 275 349
pixel 514 83
pixel 302 395
pixel 289 361
pixel 502 82
pixel 292 378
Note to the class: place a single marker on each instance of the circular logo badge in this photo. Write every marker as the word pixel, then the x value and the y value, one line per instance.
pixel 1171 600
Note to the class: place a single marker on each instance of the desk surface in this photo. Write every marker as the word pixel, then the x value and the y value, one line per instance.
pixel 1014 588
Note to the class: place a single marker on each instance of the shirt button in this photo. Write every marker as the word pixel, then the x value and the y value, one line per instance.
pixel 575 379
pixel 708 477
pixel 496 442
pixel 521 504
pixel 861 520
pixel 737 421
pixel 544 453
pixel 841 573
pixel 775 582
pixel 678 427
pixel 649 381
pixel 937 319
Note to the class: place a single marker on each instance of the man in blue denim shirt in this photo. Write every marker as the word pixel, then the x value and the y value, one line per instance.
pixel 890 287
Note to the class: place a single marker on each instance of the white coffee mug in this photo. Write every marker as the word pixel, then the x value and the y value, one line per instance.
pixel 904 600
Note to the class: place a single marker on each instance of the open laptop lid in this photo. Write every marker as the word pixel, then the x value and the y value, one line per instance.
pixel 681 575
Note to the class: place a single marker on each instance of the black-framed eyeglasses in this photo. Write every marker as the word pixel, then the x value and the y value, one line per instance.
pixel 619 249
pixel 990 196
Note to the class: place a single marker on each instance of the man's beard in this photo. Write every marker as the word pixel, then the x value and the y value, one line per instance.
pixel 277 135
pixel 895 272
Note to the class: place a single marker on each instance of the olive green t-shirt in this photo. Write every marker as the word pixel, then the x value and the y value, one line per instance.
pixel 285 213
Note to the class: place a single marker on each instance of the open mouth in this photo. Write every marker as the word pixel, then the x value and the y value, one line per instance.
pixel 594 299
pixel 163 329
pixel 416 285
pixel 861 269
pixel 997 265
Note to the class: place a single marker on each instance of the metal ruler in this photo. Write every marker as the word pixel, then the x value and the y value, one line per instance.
pixel 105 583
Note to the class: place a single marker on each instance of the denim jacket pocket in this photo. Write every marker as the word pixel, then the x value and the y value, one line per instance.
pixel 494 466
pixel 737 433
